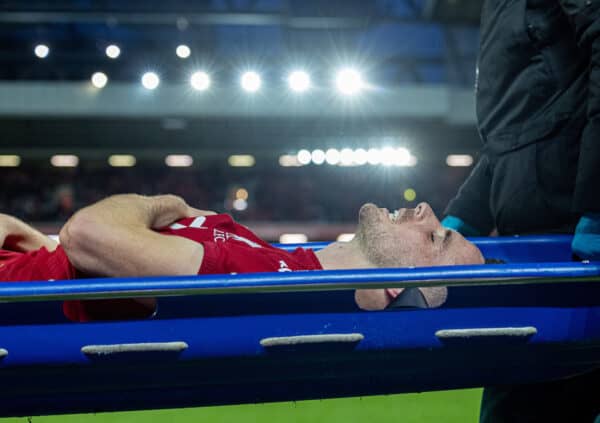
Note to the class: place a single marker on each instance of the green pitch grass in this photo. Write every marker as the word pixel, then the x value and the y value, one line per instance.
pixel 448 406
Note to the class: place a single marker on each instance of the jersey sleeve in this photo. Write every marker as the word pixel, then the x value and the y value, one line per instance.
pixel 39 265
pixel 233 257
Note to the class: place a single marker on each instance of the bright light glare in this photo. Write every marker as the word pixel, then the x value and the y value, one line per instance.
pixel 64 160
pixel 240 204
pixel 241 193
pixel 345 237
pixel 349 81
pixel 459 160
pixel 179 160
pixel 289 160
pixel 113 51
pixel 241 160
pixel 318 157
pixel 150 80
pixel 360 156
pixel 346 157
pixel 410 194
pixel 387 156
pixel 122 160
pixel 304 157
pixel 10 160
pixel 373 156
pixel 182 51
pixel 299 81
pixel 332 156
pixel 401 157
pixel 99 79
pixel 41 51
pixel 251 81
pixel 200 81
pixel 292 238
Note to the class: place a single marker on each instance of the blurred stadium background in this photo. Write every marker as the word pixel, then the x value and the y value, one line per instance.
pixel 289 114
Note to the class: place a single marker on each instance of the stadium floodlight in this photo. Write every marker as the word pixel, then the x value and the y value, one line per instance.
pixel 241 193
pixel 360 156
pixel 304 157
pixel 251 81
pixel 349 81
pixel 299 81
pixel 293 238
pixel 179 160
pixel 289 160
pixel 42 51
pixel 122 160
pixel 317 156
pixel 346 157
pixel 240 204
pixel 200 81
pixel 332 156
pixel 374 156
pixel 99 79
pixel 182 51
pixel 459 160
pixel 150 80
pixel 10 160
pixel 241 160
pixel 388 155
pixel 64 160
pixel 401 157
pixel 113 51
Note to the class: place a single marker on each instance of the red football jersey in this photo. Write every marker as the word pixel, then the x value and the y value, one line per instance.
pixel 232 248
pixel 228 248
pixel 38 265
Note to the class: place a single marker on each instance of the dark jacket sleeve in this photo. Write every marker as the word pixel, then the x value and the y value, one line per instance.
pixel 472 203
pixel 585 18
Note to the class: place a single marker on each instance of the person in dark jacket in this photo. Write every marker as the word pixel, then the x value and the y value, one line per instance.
pixel 538 111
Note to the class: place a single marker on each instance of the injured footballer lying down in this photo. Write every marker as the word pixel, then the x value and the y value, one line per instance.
pixel 131 235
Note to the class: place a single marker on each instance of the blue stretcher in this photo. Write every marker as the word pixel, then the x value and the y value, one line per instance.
pixel 230 339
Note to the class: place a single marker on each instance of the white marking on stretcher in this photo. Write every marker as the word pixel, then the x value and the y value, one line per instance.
pixel 176 346
pixel 486 332
pixel 312 339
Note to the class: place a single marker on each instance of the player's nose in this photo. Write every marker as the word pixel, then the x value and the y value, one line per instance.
pixel 423 211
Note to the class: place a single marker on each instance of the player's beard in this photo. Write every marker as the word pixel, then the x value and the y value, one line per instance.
pixel 375 239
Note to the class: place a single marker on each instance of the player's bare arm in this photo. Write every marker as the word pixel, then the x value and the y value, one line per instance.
pixel 16 235
pixel 115 237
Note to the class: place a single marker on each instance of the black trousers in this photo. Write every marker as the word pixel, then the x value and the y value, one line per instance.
pixel 572 400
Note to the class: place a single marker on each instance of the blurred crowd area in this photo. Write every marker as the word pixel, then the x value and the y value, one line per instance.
pixel 304 194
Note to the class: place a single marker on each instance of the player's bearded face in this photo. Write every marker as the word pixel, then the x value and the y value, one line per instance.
pixel 411 237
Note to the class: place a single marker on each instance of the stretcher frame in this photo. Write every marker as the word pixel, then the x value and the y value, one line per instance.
pixel 230 339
